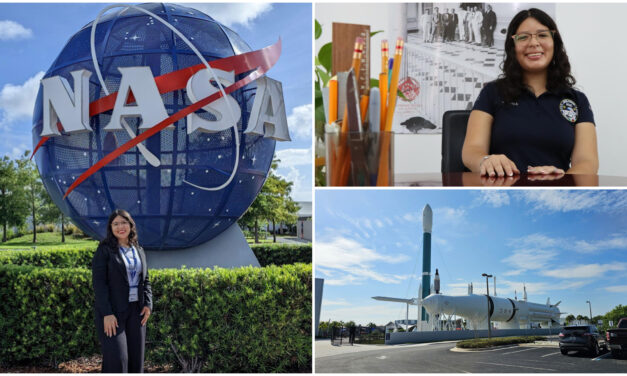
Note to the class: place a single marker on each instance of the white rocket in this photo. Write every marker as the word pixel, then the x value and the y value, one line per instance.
pixel 512 314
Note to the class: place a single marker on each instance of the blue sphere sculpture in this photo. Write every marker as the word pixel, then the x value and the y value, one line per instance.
pixel 169 213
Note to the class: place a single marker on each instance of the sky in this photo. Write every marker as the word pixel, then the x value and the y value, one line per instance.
pixel 563 245
pixel 31 38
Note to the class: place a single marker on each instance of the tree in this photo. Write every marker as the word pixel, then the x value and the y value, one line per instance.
pixel 616 314
pixel 13 204
pixel 273 203
pixel 33 188
pixel 570 318
pixel 49 212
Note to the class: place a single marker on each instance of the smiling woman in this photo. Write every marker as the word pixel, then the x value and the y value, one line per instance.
pixel 532 119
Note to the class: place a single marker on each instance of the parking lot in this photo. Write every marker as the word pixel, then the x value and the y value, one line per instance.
pixel 438 357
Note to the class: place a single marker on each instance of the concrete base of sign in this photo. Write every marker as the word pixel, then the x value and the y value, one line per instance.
pixel 227 250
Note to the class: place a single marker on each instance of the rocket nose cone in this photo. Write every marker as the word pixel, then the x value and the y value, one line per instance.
pixel 431 303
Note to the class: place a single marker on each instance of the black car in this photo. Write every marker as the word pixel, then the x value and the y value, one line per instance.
pixel 581 338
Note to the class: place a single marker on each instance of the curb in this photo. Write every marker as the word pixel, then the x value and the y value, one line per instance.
pixel 531 344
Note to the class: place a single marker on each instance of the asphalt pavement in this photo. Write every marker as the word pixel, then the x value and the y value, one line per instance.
pixel 438 358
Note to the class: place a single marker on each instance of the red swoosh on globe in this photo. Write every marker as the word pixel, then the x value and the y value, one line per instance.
pixel 260 60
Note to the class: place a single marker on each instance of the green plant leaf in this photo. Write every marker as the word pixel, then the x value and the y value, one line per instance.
pixel 325 56
pixel 318 30
pixel 373 33
pixel 324 76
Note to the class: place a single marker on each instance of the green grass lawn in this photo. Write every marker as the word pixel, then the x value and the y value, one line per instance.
pixel 47 240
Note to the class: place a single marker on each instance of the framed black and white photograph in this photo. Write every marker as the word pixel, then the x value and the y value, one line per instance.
pixel 452 51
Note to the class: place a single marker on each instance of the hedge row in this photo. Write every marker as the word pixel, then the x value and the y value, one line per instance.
pixel 282 254
pixel 497 341
pixel 220 320
pixel 67 257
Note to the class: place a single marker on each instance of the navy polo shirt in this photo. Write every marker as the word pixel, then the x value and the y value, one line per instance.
pixel 535 131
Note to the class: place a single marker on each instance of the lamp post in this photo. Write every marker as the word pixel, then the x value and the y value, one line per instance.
pixel 487 286
pixel 590 305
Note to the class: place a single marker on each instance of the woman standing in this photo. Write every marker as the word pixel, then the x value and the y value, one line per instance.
pixel 123 296
pixel 532 119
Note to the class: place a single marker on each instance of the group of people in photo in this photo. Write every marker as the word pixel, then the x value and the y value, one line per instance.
pixel 470 24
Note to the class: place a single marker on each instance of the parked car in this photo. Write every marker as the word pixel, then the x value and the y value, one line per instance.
pixel 617 338
pixel 582 338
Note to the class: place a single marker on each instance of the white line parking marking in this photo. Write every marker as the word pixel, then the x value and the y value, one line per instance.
pixel 600 357
pixel 512 365
pixel 550 354
pixel 513 352
pixel 381 357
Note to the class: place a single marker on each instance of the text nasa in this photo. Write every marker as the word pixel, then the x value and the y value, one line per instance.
pixel 70 106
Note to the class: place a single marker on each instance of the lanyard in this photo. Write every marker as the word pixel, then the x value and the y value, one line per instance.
pixel 133 270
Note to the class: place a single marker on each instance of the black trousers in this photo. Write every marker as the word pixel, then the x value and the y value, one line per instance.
pixel 123 352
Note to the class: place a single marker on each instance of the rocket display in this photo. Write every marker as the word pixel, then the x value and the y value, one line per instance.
pixel 427 224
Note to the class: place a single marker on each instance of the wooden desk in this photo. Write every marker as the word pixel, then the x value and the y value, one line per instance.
pixel 472 179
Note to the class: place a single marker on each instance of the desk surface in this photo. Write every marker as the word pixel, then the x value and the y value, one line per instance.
pixel 472 179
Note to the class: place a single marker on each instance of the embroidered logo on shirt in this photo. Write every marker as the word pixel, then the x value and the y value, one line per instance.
pixel 569 110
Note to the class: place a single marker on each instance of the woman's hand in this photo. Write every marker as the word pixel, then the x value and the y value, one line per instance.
pixel 146 313
pixel 110 325
pixel 544 170
pixel 497 165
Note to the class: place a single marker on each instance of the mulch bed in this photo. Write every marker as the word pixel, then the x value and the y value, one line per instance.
pixel 85 364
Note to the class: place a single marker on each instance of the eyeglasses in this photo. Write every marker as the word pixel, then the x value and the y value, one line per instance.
pixel 122 223
pixel 541 36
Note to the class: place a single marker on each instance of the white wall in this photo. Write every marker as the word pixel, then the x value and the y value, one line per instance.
pixel 594 38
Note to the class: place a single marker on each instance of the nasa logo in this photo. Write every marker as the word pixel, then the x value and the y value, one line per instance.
pixel 158 125
pixel 569 110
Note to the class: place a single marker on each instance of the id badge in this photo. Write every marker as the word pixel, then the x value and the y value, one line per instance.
pixel 133 297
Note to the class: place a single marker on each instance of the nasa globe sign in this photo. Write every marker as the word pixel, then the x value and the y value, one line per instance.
pixel 162 111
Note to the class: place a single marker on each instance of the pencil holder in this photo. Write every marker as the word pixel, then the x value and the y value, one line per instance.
pixel 359 159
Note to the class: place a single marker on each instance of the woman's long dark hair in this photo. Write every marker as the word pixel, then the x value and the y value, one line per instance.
pixel 111 240
pixel 510 83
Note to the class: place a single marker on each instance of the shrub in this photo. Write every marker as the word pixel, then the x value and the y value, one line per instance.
pixel 499 341
pixel 64 257
pixel 281 254
pixel 221 320
pixel 68 256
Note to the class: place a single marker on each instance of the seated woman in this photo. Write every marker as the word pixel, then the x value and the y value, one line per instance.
pixel 531 118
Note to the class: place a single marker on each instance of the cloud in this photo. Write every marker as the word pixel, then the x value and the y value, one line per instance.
pixel 530 259
pixel 233 13
pixel 584 246
pixel 565 201
pixel 294 157
pixel 18 101
pixel 378 312
pixel 492 197
pixel 507 288
pixel 339 302
pixel 538 240
pixel 449 215
pixel 299 122
pixel 619 289
pixel 585 270
pixel 12 30
pixel 345 261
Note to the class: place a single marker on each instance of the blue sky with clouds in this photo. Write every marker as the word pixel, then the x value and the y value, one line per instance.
pixel 566 245
pixel 32 35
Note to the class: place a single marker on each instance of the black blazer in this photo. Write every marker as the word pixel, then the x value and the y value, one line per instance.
pixel 110 281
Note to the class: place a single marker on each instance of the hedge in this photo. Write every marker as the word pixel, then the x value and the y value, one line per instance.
pixel 281 254
pixel 64 257
pixel 220 320
pixel 67 257
pixel 497 341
